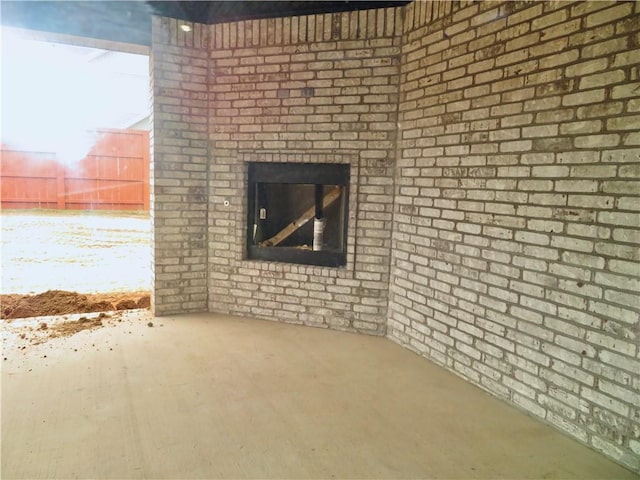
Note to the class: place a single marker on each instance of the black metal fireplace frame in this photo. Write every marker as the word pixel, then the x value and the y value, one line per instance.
pixel 297 173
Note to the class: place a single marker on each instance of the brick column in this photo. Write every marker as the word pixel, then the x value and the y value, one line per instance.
pixel 179 167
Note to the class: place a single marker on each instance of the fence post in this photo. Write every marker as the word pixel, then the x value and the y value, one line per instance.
pixel 60 186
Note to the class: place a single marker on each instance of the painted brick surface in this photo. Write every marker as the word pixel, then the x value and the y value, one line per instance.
pixel 515 248
pixel 179 169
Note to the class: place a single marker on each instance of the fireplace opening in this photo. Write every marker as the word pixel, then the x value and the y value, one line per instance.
pixel 298 213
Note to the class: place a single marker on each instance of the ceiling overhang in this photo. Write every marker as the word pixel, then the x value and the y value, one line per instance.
pixel 130 21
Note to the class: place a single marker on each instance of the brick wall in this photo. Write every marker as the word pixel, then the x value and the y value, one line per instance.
pixel 493 217
pixel 321 89
pixel 179 167
pixel 516 225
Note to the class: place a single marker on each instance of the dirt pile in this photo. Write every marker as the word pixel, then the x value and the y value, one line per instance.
pixel 67 329
pixel 60 302
pixel 44 332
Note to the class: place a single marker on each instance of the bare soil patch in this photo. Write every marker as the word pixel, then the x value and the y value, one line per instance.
pixel 60 302
pixel 75 251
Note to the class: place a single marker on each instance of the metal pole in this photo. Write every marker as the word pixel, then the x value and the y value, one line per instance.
pixel 319 195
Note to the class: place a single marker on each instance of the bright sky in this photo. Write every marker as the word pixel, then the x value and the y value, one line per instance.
pixel 52 94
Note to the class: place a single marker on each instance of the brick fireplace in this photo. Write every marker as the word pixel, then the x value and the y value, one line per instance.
pixel 314 90
pixel 345 296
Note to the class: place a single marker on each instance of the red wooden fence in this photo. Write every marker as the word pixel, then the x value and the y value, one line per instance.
pixel 114 175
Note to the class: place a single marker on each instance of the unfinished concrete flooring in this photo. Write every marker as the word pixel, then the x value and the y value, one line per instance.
pixel 220 397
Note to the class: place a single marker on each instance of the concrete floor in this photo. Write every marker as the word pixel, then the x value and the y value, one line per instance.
pixel 219 397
